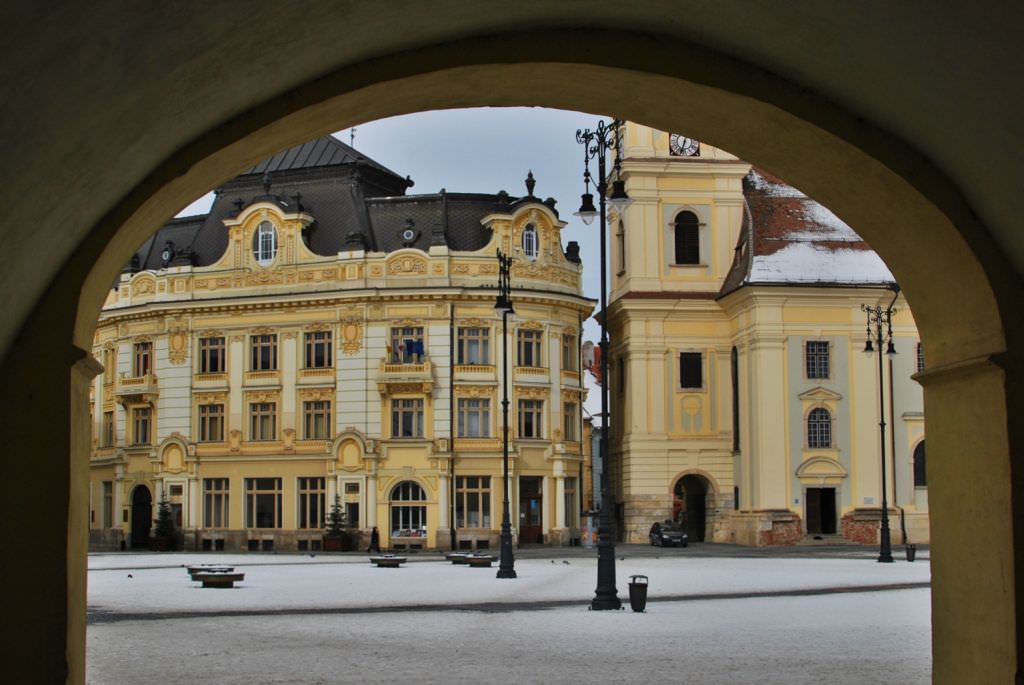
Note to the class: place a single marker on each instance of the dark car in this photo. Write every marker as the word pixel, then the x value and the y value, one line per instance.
pixel 668 533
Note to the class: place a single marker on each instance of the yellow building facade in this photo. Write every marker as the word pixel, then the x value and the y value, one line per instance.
pixel 745 406
pixel 320 336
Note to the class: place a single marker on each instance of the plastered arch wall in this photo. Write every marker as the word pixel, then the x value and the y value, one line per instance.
pixel 950 271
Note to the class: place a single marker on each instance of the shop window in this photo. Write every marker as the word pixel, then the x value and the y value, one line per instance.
pixel 215 502
pixel 408 519
pixel 262 502
pixel 472 501
pixel 311 502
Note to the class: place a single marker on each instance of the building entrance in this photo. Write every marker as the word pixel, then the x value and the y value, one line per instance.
pixel 142 516
pixel 821 511
pixel 530 510
pixel 690 505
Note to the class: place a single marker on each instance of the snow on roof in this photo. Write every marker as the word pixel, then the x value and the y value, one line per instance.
pixel 804 262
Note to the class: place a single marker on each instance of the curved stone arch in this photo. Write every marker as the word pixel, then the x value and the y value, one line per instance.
pixel 347 437
pixel 165 452
pixel 821 469
pixel 713 486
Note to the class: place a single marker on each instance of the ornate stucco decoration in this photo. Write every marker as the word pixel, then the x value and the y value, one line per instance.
pixel 316 394
pixel 531 393
pixel 474 390
pixel 262 395
pixel 143 285
pixel 474 323
pixel 532 325
pixel 351 335
pixel 407 265
pixel 177 344
pixel 211 397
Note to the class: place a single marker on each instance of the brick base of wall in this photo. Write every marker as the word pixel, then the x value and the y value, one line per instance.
pixel 863 525
pixel 766 527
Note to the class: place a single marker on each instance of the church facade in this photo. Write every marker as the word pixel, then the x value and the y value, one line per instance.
pixel 742 402
pixel 320 336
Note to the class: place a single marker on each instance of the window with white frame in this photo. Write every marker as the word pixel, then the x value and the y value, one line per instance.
pixel 215 503
pixel 531 416
pixel 531 245
pixel 311 502
pixel 407 418
pixel 407 518
pixel 474 417
pixel 528 347
pixel 472 501
pixel 819 428
pixel 262 502
pixel 264 244
pixel 474 345
pixel 816 358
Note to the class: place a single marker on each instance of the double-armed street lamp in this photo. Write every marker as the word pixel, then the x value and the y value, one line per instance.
pixel 879 331
pixel 506 564
pixel 596 146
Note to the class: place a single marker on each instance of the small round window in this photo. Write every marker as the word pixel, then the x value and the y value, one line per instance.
pixel 530 246
pixel 264 244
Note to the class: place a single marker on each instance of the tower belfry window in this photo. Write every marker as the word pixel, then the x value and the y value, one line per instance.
pixel 687 238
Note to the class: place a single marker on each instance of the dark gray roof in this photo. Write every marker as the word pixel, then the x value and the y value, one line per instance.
pixel 322 152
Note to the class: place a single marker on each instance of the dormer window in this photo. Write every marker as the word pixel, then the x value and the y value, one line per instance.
pixel 530 243
pixel 264 244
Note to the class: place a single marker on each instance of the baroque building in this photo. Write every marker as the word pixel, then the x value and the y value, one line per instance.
pixel 746 407
pixel 320 336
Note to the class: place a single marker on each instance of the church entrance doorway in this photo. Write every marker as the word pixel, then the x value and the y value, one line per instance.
pixel 690 505
pixel 821 511
pixel 530 507
pixel 142 516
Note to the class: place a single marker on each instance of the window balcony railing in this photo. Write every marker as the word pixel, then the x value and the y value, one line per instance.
pixel 262 377
pixel 532 371
pixel 131 386
pixel 418 376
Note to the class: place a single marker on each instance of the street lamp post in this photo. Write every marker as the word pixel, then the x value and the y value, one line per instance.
pixel 881 321
pixel 506 566
pixel 596 145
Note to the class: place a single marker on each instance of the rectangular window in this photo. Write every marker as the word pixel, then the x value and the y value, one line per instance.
pixel 215 502
pixel 530 418
pixel 211 423
pixel 262 502
pixel 474 346
pixel 108 504
pixel 572 509
pixel 472 501
pixel 407 345
pixel 263 421
pixel 263 355
pixel 351 488
pixel 474 418
pixel 691 370
pixel 319 350
pixel 407 418
pixel 352 514
pixel 570 421
pixel 528 348
pixel 212 355
pixel 920 358
pixel 142 362
pixel 570 352
pixel 316 419
pixel 817 360
pixel 311 502
pixel 141 425
pixel 108 429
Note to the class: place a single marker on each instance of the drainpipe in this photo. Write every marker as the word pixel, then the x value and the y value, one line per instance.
pixel 451 413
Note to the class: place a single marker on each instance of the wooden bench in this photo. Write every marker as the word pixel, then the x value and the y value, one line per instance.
pixel 387 561
pixel 480 560
pixel 218 578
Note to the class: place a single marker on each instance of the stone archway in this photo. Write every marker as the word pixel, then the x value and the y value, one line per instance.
pixel 958 281
pixel 693 503
pixel 142 517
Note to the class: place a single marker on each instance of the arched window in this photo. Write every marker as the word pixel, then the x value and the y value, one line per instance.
pixel 408 520
pixel 530 245
pixel 264 244
pixel 687 238
pixel 920 476
pixel 819 429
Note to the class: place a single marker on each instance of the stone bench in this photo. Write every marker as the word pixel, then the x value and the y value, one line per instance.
pixel 387 561
pixel 208 568
pixel 457 557
pixel 480 560
pixel 218 578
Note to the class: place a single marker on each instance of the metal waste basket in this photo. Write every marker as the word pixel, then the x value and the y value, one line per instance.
pixel 911 552
pixel 638 592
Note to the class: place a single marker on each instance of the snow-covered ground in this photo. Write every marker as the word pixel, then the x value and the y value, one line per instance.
pixel 839 638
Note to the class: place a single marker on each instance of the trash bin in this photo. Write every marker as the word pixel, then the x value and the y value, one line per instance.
pixel 911 552
pixel 638 592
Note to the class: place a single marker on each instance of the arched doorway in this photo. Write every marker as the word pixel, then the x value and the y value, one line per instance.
pixel 408 516
pixel 690 505
pixel 142 516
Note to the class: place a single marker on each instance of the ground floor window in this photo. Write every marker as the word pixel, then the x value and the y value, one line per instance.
pixel 572 512
pixel 473 501
pixel 262 502
pixel 311 502
pixel 108 504
pixel 215 502
pixel 408 520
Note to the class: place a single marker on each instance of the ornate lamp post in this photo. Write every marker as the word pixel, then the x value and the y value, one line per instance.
pixel 881 320
pixel 506 566
pixel 596 145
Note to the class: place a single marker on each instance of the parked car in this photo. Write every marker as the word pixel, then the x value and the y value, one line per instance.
pixel 668 533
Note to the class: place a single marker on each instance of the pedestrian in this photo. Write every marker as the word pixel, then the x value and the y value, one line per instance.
pixel 374 541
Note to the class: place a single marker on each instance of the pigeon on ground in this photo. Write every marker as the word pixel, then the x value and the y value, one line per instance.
pixel 552 561
pixel 130 575
pixel 565 562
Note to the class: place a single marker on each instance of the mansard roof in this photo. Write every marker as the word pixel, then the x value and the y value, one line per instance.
pixel 789 239
pixel 351 198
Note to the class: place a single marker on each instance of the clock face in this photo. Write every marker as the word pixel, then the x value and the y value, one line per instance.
pixel 166 255
pixel 681 146
pixel 408 234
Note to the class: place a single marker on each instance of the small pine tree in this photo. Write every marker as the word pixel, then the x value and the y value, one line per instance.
pixel 336 521
pixel 165 527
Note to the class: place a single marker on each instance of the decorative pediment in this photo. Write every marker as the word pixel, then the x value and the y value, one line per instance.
pixel 821 468
pixel 407 265
pixel 532 325
pixel 820 394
